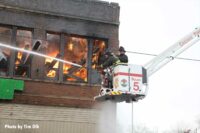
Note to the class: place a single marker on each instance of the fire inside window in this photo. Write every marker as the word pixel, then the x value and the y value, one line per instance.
pixel 23 60
pixel 5 37
pixel 53 50
pixel 75 49
pixel 97 52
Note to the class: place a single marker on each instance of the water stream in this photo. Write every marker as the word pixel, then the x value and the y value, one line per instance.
pixel 38 54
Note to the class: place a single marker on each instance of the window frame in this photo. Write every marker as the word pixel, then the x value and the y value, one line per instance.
pixel 66 40
pixel 11 38
pixel 57 77
pixel 63 42
pixel 15 29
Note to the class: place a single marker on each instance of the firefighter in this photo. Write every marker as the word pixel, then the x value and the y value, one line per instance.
pixel 107 65
pixel 110 60
pixel 122 56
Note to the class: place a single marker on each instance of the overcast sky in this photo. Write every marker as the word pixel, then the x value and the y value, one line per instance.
pixel 150 26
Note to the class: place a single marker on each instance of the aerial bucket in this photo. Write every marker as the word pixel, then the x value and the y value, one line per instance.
pixel 129 84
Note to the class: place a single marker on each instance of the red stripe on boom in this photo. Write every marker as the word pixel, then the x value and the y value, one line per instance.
pixel 128 74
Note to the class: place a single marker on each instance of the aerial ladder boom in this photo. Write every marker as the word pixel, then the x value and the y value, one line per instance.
pixel 169 54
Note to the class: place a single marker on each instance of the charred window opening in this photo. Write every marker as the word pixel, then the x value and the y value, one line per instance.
pixel 75 51
pixel 97 52
pixel 53 50
pixel 23 60
pixel 87 52
pixel 5 38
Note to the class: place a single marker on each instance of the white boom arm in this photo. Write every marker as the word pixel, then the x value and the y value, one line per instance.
pixel 169 54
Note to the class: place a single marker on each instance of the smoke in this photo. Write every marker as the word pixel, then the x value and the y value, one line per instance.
pixel 108 121
pixel 107 117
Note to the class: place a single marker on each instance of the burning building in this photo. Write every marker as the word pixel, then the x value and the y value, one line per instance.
pixel 78 31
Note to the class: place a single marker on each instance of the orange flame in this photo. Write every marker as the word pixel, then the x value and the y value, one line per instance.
pixel 19 57
pixel 70 47
pixel 66 68
pixel 52 73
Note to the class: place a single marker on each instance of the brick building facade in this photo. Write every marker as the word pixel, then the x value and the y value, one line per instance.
pixel 75 30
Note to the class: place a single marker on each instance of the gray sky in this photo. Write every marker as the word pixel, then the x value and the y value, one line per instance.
pixel 151 26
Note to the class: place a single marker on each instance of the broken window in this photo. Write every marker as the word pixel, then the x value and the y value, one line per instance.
pixel 75 51
pixel 23 60
pixel 5 38
pixel 97 53
pixel 52 49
